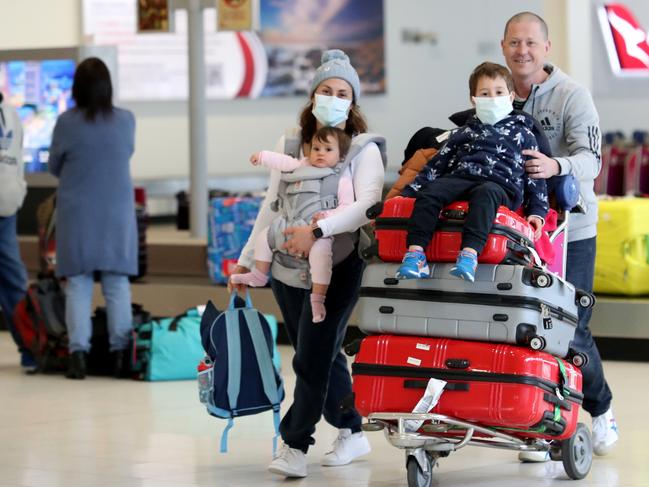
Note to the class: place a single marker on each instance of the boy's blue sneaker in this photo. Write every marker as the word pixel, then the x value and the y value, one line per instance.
pixel 413 266
pixel 465 266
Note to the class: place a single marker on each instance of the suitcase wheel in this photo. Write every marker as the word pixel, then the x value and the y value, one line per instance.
pixel 537 343
pixel 579 359
pixel 543 280
pixel 584 299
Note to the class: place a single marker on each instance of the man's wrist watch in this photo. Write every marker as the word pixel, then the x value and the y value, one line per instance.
pixel 316 231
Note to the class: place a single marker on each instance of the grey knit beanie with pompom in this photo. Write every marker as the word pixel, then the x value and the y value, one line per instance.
pixel 335 64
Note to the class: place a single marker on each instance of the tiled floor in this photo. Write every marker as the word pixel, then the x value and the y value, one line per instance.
pixel 105 432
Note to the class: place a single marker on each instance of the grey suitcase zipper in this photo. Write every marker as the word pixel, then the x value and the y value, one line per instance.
pixel 474 298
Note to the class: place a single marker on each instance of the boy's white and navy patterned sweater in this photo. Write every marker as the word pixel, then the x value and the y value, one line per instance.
pixel 493 153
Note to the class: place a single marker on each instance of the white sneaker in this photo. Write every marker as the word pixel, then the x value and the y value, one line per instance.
pixel 346 448
pixel 289 462
pixel 605 433
pixel 534 456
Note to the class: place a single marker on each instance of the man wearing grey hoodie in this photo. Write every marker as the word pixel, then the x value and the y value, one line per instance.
pixel 568 116
pixel 13 277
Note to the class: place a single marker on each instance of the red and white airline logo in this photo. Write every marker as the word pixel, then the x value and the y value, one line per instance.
pixel 626 41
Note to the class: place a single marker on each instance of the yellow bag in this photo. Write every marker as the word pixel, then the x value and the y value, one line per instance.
pixel 622 261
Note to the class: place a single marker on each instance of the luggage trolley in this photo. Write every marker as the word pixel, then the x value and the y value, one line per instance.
pixel 424 449
pixel 388 306
pixel 496 395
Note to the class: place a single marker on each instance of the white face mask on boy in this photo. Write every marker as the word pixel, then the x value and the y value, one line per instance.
pixel 330 110
pixel 492 110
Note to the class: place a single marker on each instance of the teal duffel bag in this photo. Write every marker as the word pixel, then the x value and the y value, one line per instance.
pixel 168 348
pixel 171 348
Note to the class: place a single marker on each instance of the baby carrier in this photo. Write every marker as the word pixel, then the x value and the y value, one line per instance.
pixel 301 194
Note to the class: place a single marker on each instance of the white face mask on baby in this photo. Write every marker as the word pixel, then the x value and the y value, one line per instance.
pixel 492 110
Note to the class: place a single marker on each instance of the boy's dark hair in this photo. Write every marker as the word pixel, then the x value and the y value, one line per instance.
pixel 92 89
pixel 490 70
pixel 323 134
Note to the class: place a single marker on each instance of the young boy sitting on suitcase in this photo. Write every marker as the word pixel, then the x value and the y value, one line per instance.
pixel 483 163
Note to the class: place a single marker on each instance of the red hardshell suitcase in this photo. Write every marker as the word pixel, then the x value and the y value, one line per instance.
pixel 508 242
pixel 497 385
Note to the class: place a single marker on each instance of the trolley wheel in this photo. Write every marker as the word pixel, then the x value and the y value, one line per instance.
pixel 537 343
pixel 416 475
pixel 543 280
pixel 577 453
pixel 579 359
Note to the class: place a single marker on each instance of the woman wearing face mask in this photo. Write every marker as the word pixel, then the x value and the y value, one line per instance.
pixel 322 377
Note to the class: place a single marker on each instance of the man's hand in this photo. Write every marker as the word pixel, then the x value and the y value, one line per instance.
pixel 540 166
pixel 537 225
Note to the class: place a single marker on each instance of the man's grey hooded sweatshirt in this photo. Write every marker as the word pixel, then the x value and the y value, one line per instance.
pixel 569 119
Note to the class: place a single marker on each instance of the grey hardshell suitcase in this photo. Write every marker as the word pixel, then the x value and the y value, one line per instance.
pixel 507 303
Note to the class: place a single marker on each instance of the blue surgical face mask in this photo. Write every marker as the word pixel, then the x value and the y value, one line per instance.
pixel 492 110
pixel 330 110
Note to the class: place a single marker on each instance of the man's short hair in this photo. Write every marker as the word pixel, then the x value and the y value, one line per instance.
pixel 492 71
pixel 528 16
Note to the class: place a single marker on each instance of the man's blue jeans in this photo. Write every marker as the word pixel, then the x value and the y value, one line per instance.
pixel 580 271
pixel 78 304
pixel 13 276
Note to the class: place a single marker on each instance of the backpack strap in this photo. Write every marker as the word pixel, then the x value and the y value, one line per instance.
pixel 266 367
pixel 234 365
pixel 292 142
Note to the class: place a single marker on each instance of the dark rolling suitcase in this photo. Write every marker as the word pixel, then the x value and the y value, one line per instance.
pixel 519 390
pixel 508 242
pixel 506 303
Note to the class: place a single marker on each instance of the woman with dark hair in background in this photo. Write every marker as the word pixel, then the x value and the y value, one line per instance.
pixel 95 215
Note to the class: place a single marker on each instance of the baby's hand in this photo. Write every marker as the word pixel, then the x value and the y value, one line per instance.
pixel 537 225
pixel 255 159
pixel 317 216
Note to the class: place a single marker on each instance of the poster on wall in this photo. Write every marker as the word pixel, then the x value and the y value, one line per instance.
pixel 279 60
pixel 153 16
pixel 153 66
pixel 234 15
pixel 296 32
pixel 41 89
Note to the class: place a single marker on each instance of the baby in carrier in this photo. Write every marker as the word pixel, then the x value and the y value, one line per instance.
pixel 482 162
pixel 329 147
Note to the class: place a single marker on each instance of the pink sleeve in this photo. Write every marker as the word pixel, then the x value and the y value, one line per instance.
pixel 281 162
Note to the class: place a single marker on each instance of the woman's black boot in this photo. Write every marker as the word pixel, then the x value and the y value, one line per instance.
pixel 76 366
pixel 122 364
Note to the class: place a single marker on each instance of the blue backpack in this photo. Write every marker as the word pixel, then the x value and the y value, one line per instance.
pixel 238 377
